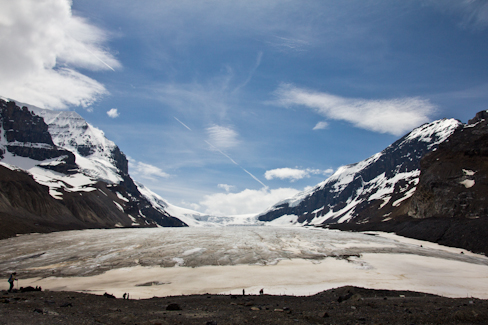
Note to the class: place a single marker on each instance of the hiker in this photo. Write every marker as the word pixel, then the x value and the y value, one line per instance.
pixel 261 292
pixel 11 280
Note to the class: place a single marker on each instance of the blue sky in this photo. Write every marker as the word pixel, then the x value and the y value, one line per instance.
pixel 227 107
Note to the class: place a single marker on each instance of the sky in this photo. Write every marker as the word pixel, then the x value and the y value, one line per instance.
pixel 228 107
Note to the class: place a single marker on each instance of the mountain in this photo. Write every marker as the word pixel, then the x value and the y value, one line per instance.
pixel 431 184
pixel 370 190
pixel 58 172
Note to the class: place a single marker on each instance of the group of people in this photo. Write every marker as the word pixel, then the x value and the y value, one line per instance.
pixel 13 278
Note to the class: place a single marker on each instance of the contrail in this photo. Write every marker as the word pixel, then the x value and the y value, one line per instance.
pixel 182 123
pixel 255 178
pixel 96 57
pixel 227 156
pixel 251 73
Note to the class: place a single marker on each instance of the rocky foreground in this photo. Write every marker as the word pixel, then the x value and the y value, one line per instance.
pixel 345 305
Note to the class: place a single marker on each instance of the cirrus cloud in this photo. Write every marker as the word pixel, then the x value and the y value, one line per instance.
pixel 46 43
pixel 222 137
pixel 394 116
pixel 146 171
pixel 294 174
pixel 473 13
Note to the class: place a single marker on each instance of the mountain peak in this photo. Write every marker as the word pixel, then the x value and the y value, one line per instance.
pixel 482 115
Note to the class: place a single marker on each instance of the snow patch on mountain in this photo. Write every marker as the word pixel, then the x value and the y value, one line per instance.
pixel 93 151
pixel 435 132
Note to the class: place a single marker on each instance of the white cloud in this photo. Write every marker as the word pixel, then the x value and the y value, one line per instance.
pixel 245 202
pixel 294 174
pixel 226 187
pixel 321 126
pixel 147 171
pixel 113 113
pixel 395 116
pixel 222 137
pixel 43 44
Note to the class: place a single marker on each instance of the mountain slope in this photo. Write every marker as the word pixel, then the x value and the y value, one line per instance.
pixel 84 174
pixel 372 190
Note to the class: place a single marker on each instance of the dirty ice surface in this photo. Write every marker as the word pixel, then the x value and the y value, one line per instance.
pixel 282 260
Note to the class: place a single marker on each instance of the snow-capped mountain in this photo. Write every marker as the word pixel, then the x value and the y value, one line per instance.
pixel 83 174
pixel 372 190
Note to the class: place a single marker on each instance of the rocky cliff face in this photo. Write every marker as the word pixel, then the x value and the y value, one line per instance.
pixel 26 135
pixel 66 175
pixel 453 182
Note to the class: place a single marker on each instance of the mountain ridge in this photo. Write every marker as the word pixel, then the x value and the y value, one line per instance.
pixel 381 181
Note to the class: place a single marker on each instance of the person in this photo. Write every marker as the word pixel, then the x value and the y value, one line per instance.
pixel 11 280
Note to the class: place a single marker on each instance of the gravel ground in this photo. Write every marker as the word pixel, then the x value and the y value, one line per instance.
pixel 345 305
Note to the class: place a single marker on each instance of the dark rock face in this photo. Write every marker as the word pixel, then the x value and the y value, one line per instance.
pixel 140 205
pixel 453 182
pixel 26 206
pixel 23 126
pixel 27 135
pixel 120 161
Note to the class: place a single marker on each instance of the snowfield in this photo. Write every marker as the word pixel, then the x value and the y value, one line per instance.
pixel 282 260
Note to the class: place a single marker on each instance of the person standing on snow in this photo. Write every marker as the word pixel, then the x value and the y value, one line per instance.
pixel 11 280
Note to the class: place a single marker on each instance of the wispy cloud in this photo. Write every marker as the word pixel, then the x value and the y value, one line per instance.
pixel 226 187
pixel 146 171
pixel 209 100
pixel 46 43
pixel 222 137
pixel 395 116
pixel 294 174
pixel 284 44
pixel 113 113
pixel 251 72
pixel 321 125
pixel 473 13
pixel 245 202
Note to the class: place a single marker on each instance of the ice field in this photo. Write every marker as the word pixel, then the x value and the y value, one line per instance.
pixel 282 260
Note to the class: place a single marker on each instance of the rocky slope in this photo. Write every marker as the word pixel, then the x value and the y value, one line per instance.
pixel 429 185
pixel 64 174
